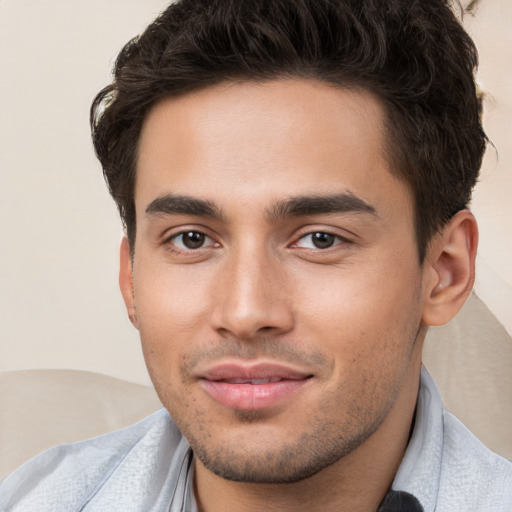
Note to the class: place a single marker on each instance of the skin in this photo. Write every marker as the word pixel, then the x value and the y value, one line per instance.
pixel 255 289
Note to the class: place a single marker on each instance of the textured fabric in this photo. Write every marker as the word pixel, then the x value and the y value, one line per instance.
pixel 149 467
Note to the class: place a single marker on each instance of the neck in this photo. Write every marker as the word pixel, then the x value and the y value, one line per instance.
pixel 357 483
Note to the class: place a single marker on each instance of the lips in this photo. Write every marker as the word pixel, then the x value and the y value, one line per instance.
pixel 253 381
pixel 239 386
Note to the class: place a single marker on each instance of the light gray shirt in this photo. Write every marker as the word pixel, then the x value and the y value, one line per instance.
pixel 148 467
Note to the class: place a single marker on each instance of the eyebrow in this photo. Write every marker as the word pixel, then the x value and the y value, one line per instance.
pixel 320 204
pixel 346 202
pixel 170 204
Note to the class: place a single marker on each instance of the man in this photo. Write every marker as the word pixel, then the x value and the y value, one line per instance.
pixel 293 176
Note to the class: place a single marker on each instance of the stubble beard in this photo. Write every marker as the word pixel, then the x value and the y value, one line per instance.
pixel 325 442
pixel 323 445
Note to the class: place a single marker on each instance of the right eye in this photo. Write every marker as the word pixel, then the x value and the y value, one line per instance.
pixel 318 240
pixel 191 240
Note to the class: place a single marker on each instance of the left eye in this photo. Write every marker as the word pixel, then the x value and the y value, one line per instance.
pixel 190 240
pixel 318 240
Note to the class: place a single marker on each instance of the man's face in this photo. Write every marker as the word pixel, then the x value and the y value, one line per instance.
pixel 276 283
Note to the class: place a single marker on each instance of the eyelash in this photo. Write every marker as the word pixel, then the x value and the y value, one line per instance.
pixel 187 250
pixel 170 241
pixel 336 240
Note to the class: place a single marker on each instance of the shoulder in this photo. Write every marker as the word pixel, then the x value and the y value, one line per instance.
pixel 446 467
pixel 66 476
pixel 472 477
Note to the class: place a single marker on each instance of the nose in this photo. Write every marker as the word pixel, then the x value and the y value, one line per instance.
pixel 251 297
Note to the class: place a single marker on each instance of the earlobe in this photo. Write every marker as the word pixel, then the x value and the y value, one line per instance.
pixel 450 271
pixel 126 280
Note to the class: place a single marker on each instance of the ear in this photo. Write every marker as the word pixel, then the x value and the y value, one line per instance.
pixel 450 271
pixel 126 280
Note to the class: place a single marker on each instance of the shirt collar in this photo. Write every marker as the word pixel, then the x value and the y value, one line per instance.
pixel 419 472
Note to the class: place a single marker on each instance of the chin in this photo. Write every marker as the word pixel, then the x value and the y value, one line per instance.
pixel 280 464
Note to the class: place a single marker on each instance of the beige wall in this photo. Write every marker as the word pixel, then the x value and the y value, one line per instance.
pixel 492 201
pixel 59 231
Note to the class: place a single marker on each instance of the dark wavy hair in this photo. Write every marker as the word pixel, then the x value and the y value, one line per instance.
pixel 411 54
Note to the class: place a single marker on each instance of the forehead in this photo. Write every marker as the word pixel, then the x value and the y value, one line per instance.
pixel 268 139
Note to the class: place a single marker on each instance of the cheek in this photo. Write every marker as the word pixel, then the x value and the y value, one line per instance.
pixel 368 326
pixel 364 316
pixel 172 316
pixel 170 301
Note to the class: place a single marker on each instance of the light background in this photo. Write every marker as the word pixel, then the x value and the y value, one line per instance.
pixel 59 231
